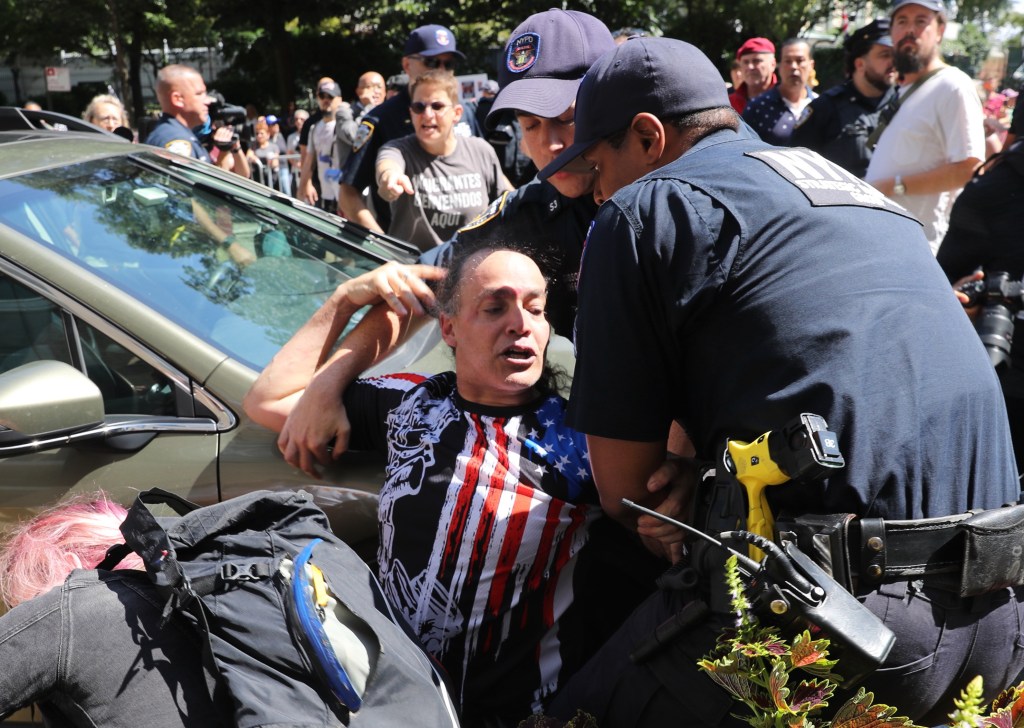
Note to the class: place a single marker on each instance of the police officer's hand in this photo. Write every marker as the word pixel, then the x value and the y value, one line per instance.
pixel 394 184
pixel 402 287
pixel 678 478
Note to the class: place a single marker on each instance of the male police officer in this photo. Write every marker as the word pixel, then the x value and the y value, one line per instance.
pixel 733 285
pixel 185 105
pixel 427 47
pixel 837 123
pixel 544 60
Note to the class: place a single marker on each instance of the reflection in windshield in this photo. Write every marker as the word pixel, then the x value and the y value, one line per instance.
pixel 239 277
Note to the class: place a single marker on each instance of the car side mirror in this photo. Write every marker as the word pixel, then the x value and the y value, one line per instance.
pixel 48 397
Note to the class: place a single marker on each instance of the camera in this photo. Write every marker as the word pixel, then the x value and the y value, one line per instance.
pixel 1001 298
pixel 223 114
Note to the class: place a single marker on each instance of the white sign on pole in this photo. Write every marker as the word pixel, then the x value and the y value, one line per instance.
pixel 58 78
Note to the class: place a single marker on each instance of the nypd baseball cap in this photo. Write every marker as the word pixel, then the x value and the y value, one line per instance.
pixel 861 40
pixel 933 5
pixel 662 76
pixel 431 40
pixel 544 60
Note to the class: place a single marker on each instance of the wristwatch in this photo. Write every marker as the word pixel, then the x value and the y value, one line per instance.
pixel 898 188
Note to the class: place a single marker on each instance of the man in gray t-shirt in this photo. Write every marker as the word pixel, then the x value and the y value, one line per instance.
pixel 435 181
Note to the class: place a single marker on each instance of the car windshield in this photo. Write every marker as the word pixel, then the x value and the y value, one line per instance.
pixel 241 275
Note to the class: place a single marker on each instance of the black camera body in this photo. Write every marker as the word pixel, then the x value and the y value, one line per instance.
pixel 224 114
pixel 1001 298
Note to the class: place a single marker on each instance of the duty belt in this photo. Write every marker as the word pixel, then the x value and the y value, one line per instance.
pixel 968 554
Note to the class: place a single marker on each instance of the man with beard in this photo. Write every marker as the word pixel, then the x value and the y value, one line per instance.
pixel 773 114
pixel 838 122
pixel 935 137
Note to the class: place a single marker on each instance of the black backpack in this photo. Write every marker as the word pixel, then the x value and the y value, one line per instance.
pixel 297 631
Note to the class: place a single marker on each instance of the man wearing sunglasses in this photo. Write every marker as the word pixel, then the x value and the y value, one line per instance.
pixel 429 47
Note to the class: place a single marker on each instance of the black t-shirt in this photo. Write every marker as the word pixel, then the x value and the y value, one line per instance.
pixel 488 542
pixel 986 225
pixel 550 225
pixel 744 284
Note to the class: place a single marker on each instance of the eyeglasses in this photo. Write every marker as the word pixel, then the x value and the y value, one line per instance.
pixel 418 107
pixel 448 64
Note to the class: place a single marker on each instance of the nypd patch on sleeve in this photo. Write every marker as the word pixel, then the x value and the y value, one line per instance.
pixel 363 134
pixel 493 210
pixel 179 146
pixel 824 184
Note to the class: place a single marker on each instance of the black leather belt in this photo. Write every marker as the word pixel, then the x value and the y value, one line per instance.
pixel 883 550
pixel 967 554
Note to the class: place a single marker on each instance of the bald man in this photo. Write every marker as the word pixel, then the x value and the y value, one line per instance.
pixel 186 105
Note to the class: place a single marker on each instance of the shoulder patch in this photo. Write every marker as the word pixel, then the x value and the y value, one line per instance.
pixel 363 134
pixel 523 52
pixel 179 146
pixel 824 184
pixel 493 210
pixel 807 114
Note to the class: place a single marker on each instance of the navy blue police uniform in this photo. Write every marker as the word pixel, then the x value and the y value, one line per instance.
pixel 174 136
pixel 837 124
pixel 551 226
pixel 740 285
pixel 390 120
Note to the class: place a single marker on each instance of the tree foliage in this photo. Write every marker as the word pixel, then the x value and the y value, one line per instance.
pixel 278 48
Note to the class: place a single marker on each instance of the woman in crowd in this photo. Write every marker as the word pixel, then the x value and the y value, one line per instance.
pixel 106 111
pixel 436 181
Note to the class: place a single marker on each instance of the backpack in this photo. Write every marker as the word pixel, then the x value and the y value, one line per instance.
pixel 296 629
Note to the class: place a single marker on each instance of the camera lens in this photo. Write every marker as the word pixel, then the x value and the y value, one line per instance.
pixel 995 328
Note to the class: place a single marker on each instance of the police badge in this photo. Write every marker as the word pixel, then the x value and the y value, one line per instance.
pixel 522 52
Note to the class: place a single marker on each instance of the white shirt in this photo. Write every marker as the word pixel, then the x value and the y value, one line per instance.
pixel 940 123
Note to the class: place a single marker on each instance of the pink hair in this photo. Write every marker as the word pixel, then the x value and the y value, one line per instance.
pixel 74 534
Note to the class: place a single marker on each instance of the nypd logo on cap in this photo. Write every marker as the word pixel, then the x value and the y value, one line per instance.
pixel 442 37
pixel 522 52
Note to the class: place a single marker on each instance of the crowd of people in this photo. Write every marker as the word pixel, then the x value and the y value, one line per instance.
pixel 723 261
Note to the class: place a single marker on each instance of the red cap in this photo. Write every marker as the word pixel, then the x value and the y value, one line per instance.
pixel 756 45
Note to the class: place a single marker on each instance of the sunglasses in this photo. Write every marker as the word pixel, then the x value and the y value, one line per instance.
pixel 418 107
pixel 324 96
pixel 432 62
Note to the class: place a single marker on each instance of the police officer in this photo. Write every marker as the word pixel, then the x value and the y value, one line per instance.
pixel 427 47
pixel 837 123
pixel 544 60
pixel 731 285
pixel 185 106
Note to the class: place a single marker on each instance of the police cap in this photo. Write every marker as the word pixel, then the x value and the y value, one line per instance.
pixel 859 42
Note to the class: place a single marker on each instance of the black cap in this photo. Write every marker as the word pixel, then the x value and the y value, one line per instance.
pixel 431 40
pixel 860 41
pixel 662 76
pixel 330 88
pixel 544 60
